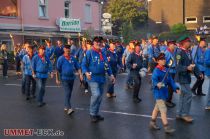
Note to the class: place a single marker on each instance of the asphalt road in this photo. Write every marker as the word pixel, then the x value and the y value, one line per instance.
pixel 123 118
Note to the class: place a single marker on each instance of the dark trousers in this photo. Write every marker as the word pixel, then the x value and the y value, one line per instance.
pixel 17 63
pixel 41 89
pixel 68 87
pixel 170 90
pixel 5 67
pixel 110 87
pixel 137 85
pixel 30 80
pixel 198 85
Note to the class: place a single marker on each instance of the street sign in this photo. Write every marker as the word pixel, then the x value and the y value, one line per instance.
pixel 70 25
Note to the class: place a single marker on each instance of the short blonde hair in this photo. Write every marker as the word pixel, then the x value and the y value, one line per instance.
pixel 3 47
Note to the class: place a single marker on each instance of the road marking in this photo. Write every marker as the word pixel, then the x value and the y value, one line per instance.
pixel 124 113
pixel 48 86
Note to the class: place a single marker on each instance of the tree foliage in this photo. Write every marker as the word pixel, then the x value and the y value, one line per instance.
pixel 178 28
pixel 126 11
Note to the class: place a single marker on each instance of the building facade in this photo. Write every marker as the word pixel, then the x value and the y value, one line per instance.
pixel 29 20
pixel 165 13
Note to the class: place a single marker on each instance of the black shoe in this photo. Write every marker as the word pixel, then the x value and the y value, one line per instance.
pixel 94 119
pixel 136 100
pixel 27 98
pixel 100 118
pixel 170 104
pixel 41 104
pixel 194 92
pixel 201 94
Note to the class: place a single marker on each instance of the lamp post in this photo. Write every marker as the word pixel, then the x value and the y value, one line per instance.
pixel 101 2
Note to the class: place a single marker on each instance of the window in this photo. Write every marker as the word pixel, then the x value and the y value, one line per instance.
pixel 8 8
pixel 88 13
pixel 206 19
pixel 67 5
pixel 191 19
pixel 43 8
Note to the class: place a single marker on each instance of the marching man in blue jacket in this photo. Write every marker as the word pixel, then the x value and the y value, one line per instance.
pixel 41 67
pixel 66 67
pixel 170 55
pixel 160 81
pixel 113 62
pixel 95 65
pixel 198 53
pixel 184 68
pixel 27 69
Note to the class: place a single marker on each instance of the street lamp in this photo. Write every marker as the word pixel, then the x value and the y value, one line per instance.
pixel 101 2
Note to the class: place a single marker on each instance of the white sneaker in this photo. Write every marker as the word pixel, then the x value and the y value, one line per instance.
pixel 70 111
pixel 207 108
pixel 86 91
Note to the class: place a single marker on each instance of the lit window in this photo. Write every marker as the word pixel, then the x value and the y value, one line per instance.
pixel 42 8
pixel 67 5
pixel 8 8
pixel 191 19
pixel 206 19
pixel 88 13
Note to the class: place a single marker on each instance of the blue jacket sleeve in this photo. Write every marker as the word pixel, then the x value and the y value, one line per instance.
pixel 129 62
pixel 50 67
pixel 76 64
pixel 172 83
pixel 86 62
pixel 33 63
pixel 207 58
pixel 58 65
pixel 155 80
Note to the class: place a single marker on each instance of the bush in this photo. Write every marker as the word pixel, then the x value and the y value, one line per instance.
pixel 178 28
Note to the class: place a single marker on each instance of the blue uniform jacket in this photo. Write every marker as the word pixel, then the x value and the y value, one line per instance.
pixel 157 76
pixel 41 68
pixel 171 56
pixel 22 53
pixel 50 52
pixel 91 63
pixel 153 52
pixel 113 61
pixel 163 48
pixel 58 51
pixel 134 59
pixel 67 68
pixel 207 62
pixel 27 65
pixel 199 57
pixel 80 55
pixel 183 76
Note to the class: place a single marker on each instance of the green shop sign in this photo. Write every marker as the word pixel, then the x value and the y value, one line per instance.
pixel 70 25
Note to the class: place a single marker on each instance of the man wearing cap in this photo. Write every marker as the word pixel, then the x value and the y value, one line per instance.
pixel 27 70
pixel 170 55
pixel 184 69
pixel 153 52
pixel 161 80
pixel 41 67
pixel 198 54
pixel 134 64
pixel 94 66
pixel 66 67
pixel 113 62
